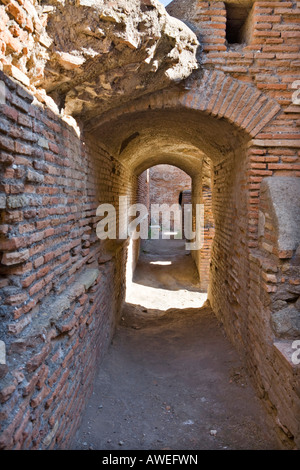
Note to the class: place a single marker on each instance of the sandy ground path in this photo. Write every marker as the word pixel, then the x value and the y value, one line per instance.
pixel 171 379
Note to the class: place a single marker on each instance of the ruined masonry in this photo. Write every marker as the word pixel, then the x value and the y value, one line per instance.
pixel 95 92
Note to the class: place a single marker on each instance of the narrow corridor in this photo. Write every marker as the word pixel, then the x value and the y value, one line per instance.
pixel 171 380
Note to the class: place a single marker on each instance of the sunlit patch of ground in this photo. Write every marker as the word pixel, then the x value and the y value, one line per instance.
pixel 166 277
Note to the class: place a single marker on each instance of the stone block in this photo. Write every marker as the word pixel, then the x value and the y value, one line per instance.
pixel 286 323
pixel 15 257
pixel 2 202
pixel 14 202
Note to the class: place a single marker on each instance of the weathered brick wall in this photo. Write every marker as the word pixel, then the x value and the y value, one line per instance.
pixel 165 184
pixel 228 287
pixel 274 302
pixel 208 236
pixel 61 288
pixel 143 195
pixel 24 43
pixel 268 57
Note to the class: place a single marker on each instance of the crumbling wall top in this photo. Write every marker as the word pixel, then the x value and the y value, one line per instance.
pixel 91 55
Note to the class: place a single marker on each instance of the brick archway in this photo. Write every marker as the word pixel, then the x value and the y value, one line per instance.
pixel 216 94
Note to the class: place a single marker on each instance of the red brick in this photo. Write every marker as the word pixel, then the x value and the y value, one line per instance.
pixel 38 359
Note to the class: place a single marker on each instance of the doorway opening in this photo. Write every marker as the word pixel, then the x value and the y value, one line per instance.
pixel 163 271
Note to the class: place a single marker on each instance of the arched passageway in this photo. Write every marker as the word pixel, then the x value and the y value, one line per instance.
pixel 208 132
pixel 177 128
pixel 214 152
pixel 164 275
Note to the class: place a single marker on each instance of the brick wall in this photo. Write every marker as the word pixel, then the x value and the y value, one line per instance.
pixel 143 195
pixel 274 302
pixel 165 184
pixel 209 232
pixel 61 288
pixel 228 287
pixel 24 43
pixel 271 47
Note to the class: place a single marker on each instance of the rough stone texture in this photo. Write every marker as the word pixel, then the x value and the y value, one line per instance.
pixel 105 52
pixel 91 55
pixel 284 192
pixel 279 246
pixel 23 40
pixel 286 323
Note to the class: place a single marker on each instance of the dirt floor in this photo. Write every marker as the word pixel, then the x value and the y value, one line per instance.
pixel 171 380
